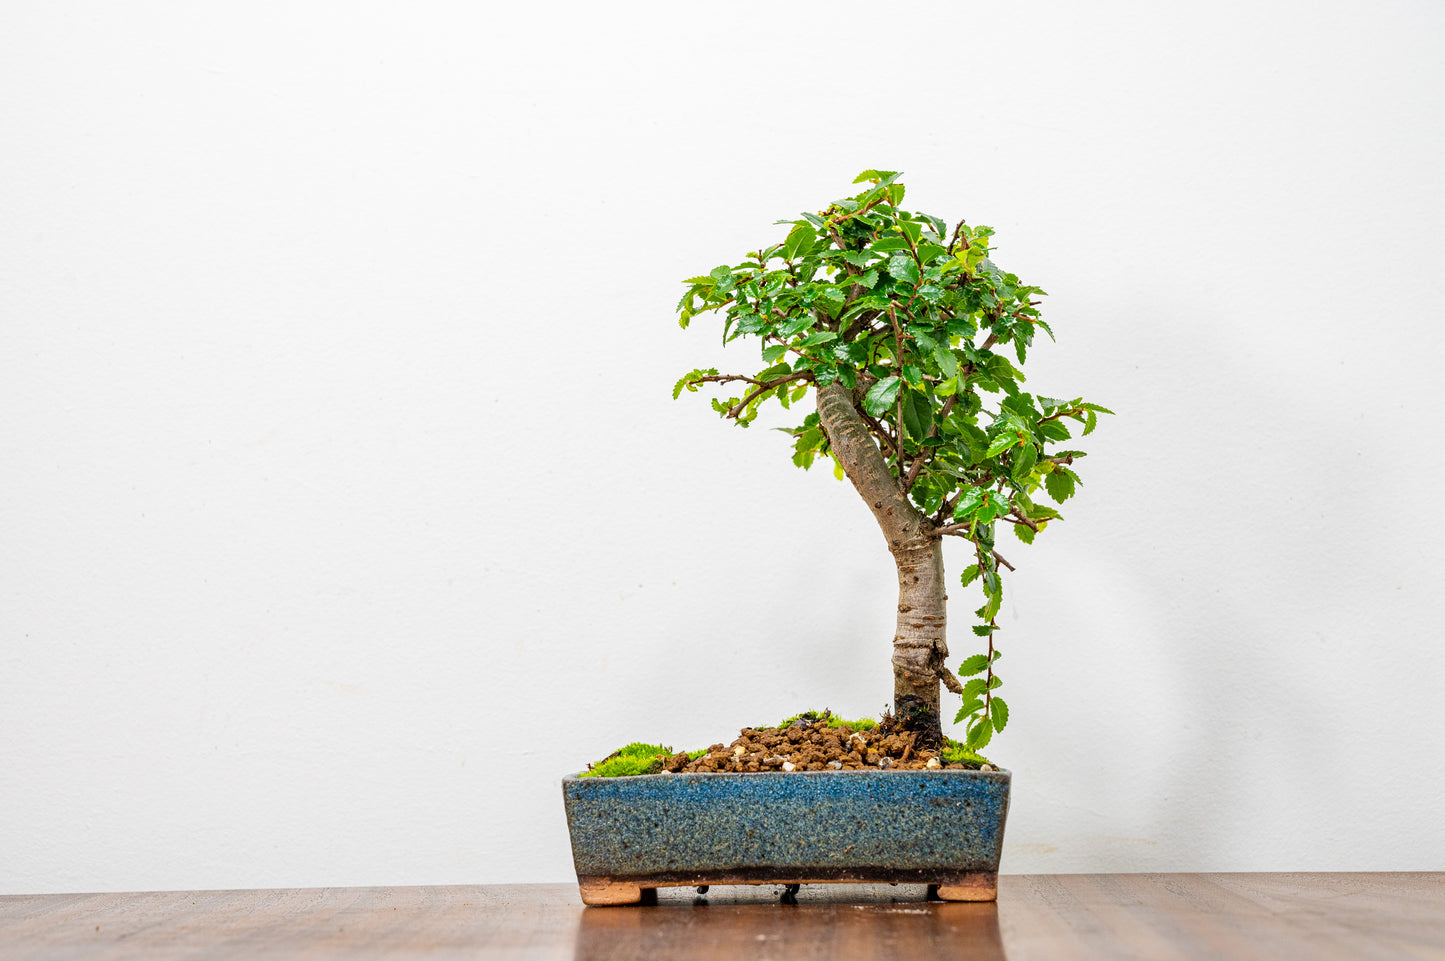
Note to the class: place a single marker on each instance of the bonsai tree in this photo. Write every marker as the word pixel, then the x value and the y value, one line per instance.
pixel 896 326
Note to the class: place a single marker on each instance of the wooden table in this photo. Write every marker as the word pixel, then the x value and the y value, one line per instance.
pixel 1107 916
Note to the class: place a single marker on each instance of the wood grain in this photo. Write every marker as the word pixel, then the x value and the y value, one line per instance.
pixel 1319 917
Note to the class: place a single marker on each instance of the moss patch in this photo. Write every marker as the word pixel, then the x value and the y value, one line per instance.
pixel 635 758
pixel 955 753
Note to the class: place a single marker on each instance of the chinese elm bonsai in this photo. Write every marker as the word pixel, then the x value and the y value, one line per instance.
pixel 896 325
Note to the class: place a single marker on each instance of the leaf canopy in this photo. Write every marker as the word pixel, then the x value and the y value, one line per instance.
pixel 929 334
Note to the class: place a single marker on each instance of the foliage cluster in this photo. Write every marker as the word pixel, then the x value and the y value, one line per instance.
pixel 913 317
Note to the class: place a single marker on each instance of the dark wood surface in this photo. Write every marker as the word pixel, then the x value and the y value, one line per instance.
pixel 1318 917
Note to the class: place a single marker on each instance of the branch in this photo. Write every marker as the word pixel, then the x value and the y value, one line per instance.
pixel 738 408
pixel 949 681
pixel 1069 412
pixel 957 236
pixel 1023 520
pixel 724 378
pixel 957 530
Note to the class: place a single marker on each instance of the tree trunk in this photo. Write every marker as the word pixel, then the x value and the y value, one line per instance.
pixel 919 648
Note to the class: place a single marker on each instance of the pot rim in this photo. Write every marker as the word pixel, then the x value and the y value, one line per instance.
pixel 994 774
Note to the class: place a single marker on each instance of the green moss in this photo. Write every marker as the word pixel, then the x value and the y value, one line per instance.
pixel 956 753
pixel 635 758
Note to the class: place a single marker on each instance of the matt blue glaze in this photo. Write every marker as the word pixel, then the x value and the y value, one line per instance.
pixel 815 823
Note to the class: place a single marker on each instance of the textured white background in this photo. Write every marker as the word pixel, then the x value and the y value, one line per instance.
pixel 343 506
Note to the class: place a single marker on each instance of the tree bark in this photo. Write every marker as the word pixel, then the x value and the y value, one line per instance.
pixel 919 647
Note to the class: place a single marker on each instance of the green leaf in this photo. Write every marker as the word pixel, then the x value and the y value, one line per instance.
pixel 998 710
pixel 1023 461
pixel 868 279
pixel 821 337
pixel 903 268
pixel 1102 410
pixel 1054 430
pixel 947 363
pixel 1002 443
pixel 1090 422
pixel 800 240
pixel 967 504
pixel 886 176
pixel 969 573
pixel 976 664
pixel 1060 485
pixel 771 354
pixel 970 707
pixel 974 687
pixel 793 325
pixel 882 396
pixel 979 735
pixel 917 414
pixel 1024 533
pixel 984 630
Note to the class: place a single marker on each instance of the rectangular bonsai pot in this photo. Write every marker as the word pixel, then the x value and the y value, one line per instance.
pixel 634 834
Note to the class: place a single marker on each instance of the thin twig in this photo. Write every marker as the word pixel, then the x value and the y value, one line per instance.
pixel 741 405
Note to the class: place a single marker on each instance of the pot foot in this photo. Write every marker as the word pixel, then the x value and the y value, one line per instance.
pixel 975 886
pixel 605 891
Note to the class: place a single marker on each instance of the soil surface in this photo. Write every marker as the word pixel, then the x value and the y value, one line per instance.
pixel 814 745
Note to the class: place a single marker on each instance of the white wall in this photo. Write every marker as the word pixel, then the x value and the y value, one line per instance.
pixel 343 506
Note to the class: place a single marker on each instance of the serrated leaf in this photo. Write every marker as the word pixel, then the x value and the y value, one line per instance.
pixel 917 414
pixel 967 504
pixel 969 708
pixel 979 735
pixel 974 687
pixel 882 396
pixel 1024 533
pixel 947 363
pixel 902 267
pixel 821 337
pixel 1002 443
pixel 1054 430
pixel 868 279
pixel 1060 485
pixel 1102 410
pixel 1023 461
pixel 969 574
pixel 1090 422
pixel 799 240
pixel 998 711
pixel 976 664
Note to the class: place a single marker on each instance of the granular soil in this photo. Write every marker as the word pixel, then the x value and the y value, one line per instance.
pixel 812 745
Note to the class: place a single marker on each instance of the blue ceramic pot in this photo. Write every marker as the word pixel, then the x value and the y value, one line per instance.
pixel 634 834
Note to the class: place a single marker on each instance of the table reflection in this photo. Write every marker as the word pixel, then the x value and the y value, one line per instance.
pixel 827 921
